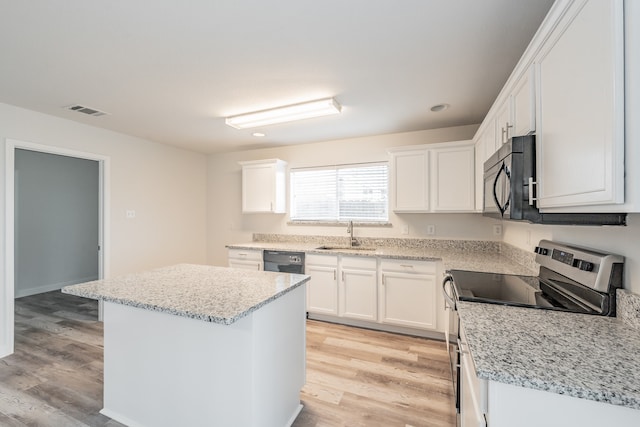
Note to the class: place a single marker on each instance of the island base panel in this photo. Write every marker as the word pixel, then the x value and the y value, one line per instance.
pixel 167 370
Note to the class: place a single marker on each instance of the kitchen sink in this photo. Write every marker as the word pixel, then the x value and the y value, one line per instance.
pixel 343 248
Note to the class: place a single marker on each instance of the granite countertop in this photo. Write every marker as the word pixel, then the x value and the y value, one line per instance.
pixel 584 356
pixel 474 258
pixel 203 292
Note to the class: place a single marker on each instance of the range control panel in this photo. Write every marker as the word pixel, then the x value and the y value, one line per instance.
pixel 587 266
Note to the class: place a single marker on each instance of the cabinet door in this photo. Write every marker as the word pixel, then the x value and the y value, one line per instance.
pixel 247 259
pixel 470 412
pixel 263 186
pixel 504 124
pixel 580 120
pixel 408 299
pixel 410 185
pixel 480 158
pixel 523 103
pixel 245 264
pixel 358 294
pixel 453 179
pixel 322 289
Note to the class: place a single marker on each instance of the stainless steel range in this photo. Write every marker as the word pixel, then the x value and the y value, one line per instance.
pixel 571 278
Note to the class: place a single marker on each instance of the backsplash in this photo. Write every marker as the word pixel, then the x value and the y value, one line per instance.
pixel 522 257
pixel 628 307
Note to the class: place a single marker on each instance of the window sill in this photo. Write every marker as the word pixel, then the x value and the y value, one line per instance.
pixel 340 224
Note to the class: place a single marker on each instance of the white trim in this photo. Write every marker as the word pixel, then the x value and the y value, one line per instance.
pixel 104 259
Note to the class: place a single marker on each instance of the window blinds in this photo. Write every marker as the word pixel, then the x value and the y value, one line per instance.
pixel 341 193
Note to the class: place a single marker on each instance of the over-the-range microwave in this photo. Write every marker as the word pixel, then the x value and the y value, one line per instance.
pixel 509 175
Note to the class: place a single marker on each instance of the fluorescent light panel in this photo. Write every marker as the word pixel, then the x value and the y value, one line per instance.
pixel 289 113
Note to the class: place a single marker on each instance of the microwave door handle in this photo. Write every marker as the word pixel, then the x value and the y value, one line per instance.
pixel 531 197
pixel 495 191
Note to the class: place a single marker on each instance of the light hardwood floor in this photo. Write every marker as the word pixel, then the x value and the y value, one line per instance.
pixel 355 377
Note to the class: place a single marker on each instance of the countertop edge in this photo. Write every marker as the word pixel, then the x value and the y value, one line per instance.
pixel 183 313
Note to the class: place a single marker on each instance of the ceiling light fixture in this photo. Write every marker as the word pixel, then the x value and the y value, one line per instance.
pixel 258 134
pixel 439 107
pixel 289 113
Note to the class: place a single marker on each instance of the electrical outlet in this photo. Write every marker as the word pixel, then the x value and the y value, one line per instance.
pixel 431 230
pixel 131 213
pixel 497 230
pixel 405 229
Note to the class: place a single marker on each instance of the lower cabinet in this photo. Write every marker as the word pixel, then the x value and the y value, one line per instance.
pixel 322 289
pixel 358 288
pixel 407 294
pixel 473 391
pixel 246 259
pixel 387 294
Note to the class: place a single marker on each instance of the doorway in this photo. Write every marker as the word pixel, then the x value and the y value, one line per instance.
pixel 8 293
pixel 55 222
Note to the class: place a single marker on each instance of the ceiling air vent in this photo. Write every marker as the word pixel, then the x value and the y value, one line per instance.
pixel 86 110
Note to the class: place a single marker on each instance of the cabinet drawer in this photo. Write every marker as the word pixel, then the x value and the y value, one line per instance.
pixel 328 260
pixel 248 254
pixel 364 263
pixel 408 266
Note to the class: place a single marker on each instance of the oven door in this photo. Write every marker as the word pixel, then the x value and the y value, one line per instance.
pixel 451 333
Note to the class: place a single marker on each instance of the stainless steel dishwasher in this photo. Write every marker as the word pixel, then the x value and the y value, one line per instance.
pixel 284 261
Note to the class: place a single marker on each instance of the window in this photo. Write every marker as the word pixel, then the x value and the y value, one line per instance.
pixel 341 193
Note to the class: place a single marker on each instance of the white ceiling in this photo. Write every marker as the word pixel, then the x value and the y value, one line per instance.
pixel 171 70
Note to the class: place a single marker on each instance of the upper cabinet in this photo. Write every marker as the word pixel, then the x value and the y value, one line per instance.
pixel 410 180
pixel 569 89
pixel 580 140
pixel 433 178
pixel 263 186
pixel 523 105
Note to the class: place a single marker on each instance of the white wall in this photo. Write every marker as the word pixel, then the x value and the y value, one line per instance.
pixel 56 221
pixel 166 187
pixel 620 240
pixel 228 225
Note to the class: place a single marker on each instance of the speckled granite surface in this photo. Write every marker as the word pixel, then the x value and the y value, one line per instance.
pixel 590 357
pixel 203 292
pixel 628 308
pixel 475 255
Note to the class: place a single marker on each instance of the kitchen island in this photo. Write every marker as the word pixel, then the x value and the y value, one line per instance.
pixel 201 345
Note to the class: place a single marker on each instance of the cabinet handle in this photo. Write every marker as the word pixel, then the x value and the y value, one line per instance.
pixel 384 281
pixel 406 265
pixel 342 276
pixel 505 132
pixel 334 274
pixel 461 350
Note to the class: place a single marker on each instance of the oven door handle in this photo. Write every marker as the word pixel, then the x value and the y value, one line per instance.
pixel 448 299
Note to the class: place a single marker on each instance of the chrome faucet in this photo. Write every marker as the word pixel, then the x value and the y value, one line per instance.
pixel 352 240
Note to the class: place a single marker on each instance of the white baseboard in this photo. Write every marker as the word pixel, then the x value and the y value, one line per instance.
pixel 436 335
pixel 50 287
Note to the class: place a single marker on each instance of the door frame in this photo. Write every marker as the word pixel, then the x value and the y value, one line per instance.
pixel 8 307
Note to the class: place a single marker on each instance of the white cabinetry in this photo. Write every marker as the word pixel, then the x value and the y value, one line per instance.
pixel 322 289
pixel 473 391
pixel 246 259
pixel 407 293
pixel 523 105
pixel 580 140
pixel 433 178
pixel 452 178
pixel 410 180
pixel 358 288
pixel 504 124
pixel 263 186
